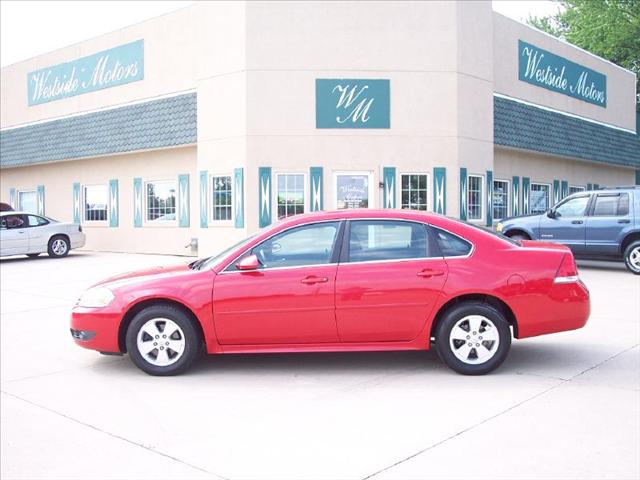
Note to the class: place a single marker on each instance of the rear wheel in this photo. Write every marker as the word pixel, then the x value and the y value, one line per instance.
pixel 473 338
pixel 58 246
pixel 632 257
pixel 162 340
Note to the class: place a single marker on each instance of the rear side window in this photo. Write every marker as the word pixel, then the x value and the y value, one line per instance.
pixel 375 240
pixel 611 205
pixel 35 221
pixel 451 245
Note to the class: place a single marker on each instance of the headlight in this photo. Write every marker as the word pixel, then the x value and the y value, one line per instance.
pixel 499 227
pixel 96 297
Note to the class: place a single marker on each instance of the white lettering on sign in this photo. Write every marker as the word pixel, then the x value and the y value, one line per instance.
pixel 349 95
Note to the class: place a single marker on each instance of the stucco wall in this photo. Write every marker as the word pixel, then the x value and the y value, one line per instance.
pixel 620 110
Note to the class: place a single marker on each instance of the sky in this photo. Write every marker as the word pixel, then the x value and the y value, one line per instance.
pixel 30 28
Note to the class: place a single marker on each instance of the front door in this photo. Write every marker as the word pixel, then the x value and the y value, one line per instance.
pixel 14 239
pixel 610 214
pixel 388 281
pixel 289 299
pixel 567 224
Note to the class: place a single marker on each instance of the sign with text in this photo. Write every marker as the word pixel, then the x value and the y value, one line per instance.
pixel 352 103
pixel 109 68
pixel 544 69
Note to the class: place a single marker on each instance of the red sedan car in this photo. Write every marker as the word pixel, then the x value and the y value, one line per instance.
pixel 341 281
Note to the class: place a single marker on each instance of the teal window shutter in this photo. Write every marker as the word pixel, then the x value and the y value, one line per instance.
pixel 525 195
pixel 40 199
pixel 596 186
pixel 564 189
pixel 489 198
pixel 12 198
pixel 316 191
pixel 183 200
pixel 463 193
pixel 113 203
pixel 440 190
pixel 238 176
pixel 515 196
pixel 264 196
pixel 556 191
pixel 76 202
pixel 137 202
pixel 389 184
pixel 204 182
pixel 589 186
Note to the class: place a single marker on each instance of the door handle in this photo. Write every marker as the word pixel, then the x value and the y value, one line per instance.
pixel 625 220
pixel 313 279
pixel 428 273
pixel 577 222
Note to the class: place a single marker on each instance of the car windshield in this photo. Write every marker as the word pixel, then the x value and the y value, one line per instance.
pixel 210 262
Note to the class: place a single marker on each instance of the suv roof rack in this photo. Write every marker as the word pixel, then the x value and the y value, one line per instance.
pixel 620 187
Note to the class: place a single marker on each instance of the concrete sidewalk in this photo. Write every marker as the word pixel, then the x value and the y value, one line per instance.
pixel 566 405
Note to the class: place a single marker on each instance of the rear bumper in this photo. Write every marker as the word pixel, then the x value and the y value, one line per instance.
pixel 96 328
pixel 566 307
pixel 78 240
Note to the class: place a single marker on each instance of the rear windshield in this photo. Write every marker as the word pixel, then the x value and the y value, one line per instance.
pixel 489 231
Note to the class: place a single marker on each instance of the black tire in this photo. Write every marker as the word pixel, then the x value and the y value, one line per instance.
pixel 519 236
pixel 631 254
pixel 56 249
pixel 32 255
pixel 445 347
pixel 193 344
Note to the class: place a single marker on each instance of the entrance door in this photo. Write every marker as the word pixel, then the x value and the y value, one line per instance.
pixel 387 281
pixel 289 298
pixel 567 224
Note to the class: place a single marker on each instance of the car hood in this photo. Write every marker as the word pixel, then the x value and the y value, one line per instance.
pixel 144 275
pixel 528 218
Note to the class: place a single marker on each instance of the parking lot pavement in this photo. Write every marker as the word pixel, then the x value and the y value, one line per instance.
pixel 565 405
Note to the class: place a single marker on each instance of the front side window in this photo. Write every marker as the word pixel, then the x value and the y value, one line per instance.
pixel 451 245
pixel 616 205
pixel 96 198
pixel 12 221
pixel 413 191
pixel 352 191
pixel 28 201
pixel 575 189
pixel 538 198
pixel 290 194
pixel 500 199
pixel 376 240
pixel 304 245
pixel 161 201
pixel 574 207
pixel 222 198
pixel 474 197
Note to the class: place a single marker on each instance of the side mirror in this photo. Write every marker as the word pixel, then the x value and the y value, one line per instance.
pixel 551 213
pixel 248 263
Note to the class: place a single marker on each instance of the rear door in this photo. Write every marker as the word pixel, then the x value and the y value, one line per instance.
pixel 567 226
pixel 14 239
pixel 609 214
pixel 388 280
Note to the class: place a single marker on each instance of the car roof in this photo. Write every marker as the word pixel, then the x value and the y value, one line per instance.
pixel 19 212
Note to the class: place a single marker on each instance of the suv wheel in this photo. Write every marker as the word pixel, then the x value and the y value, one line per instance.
pixel 473 338
pixel 632 257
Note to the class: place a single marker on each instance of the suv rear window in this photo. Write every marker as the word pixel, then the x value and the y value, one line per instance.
pixel 611 205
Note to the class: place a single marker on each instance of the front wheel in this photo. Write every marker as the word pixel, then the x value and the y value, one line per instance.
pixel 473 338
pixel 632 257
pixel 163 340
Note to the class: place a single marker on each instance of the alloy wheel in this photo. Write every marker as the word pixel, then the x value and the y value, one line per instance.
pixel 161 342
pixel 474 339
pixel 59 247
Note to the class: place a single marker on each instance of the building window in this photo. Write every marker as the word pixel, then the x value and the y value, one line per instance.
pixel 353 190
pixel 28 201
pixel 539 198
pixel 474 197
pixel 413 191
pixel 290 199
pixel 96 199
pixel 161 201
pixel 500 199
pixel 575 189
pixel 222 198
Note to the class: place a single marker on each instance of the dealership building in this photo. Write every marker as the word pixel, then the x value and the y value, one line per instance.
pixel 185 133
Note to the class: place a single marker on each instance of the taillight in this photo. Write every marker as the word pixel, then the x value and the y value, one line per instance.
pixel 568 271
pixel 80 228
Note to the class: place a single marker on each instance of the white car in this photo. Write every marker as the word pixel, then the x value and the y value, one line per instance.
pixel 24 233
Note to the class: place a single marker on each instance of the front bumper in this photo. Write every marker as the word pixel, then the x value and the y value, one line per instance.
pixel 96 328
